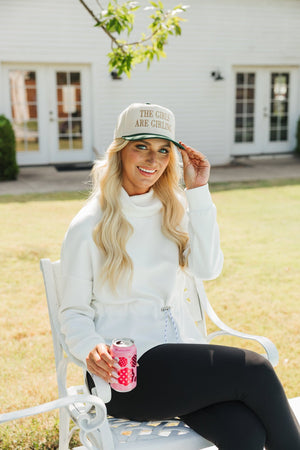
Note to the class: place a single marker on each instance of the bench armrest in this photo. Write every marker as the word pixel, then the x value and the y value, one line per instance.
pixel 84 420
pixel 271 350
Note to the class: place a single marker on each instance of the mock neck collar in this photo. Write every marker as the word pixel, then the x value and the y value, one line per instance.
pixel 142 205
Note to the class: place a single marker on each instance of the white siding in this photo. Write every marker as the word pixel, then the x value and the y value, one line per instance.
pixel 59 30
pixel 219 34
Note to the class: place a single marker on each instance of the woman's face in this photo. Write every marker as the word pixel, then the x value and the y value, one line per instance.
pixel 143 162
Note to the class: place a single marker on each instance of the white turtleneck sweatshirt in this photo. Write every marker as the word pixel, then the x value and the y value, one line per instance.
pixel 91 313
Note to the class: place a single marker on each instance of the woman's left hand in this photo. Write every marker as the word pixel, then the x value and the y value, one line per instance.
pixel 196 168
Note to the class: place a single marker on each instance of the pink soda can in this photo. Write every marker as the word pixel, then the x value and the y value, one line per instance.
pixel 124 353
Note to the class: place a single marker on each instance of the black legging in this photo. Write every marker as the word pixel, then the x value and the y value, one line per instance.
pixel 230 396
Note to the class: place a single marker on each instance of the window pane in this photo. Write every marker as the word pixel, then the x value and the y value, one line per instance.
pixel 273 121
pixel 239 122
pixel 32 109
pixel 239 93
pixel 250 94
pixel 30 78
pixel 64 144
pixel 77 142
pixel 239 78
pixel 251 78
pixel 239 108
pixel 60 111
pixel 283 135
pixel 238 136
pixel 69 108
pixel 77 112
pixel 75 77
pixel 20 145
pixel 61 78
pixel 76 126
pixel 33 146
pixel 250 107
pixel 279 106
pixel 244 108
pixel 283 121
pixel 23 97
pixel 78 95
pixel 249 122
pixel 64 127
pixel 31 95
pixel 249 136
pixel 59 95
pixel 32 126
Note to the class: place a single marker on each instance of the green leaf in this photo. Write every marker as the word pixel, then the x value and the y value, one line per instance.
pixel 119 18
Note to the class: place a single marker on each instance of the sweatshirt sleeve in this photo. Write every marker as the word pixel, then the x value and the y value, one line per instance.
pixel 76 313
pixel 206 258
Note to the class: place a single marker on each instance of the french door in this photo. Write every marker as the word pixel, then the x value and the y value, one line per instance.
pixel 265 110
pixel 50 113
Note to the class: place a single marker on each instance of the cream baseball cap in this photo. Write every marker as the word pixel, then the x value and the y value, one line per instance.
pixel 146 121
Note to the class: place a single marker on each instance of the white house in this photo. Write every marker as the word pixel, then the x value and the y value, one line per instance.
pixel 232 79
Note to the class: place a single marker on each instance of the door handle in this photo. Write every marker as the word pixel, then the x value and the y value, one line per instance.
pixel 51 118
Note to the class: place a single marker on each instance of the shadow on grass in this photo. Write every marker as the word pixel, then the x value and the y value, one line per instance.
pixel 45 197
pixel 271 183
pixel 83 195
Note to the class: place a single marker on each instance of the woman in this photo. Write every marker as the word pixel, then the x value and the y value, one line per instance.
pixel 122 263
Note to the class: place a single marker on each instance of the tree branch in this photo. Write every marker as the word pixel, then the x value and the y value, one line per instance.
pixel 147 38
pixel 101 26
pixel 119 18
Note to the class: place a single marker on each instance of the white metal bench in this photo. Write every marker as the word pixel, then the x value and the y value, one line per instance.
pixel 88 412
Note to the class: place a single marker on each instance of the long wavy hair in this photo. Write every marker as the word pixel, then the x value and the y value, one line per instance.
pixel 113 231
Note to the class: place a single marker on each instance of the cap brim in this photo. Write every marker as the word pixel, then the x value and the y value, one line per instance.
pixel 138 137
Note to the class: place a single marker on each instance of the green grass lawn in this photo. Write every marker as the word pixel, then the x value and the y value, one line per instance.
pixel 258 291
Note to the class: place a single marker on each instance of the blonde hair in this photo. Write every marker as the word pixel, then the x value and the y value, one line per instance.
pixel 113 231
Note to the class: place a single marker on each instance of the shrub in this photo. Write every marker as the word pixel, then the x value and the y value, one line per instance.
pixel 297 148
pixel 8 165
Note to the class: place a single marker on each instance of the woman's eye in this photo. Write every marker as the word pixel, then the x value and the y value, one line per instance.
pixel 164 150
pixel 141 147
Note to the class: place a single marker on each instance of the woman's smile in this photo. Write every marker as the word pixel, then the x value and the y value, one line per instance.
pixel 147 172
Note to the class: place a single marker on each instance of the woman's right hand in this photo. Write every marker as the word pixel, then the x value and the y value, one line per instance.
pixel 100 362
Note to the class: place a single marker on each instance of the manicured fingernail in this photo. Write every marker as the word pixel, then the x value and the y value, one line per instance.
pixel 113 380
pixel 116 366
pixel 114 374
